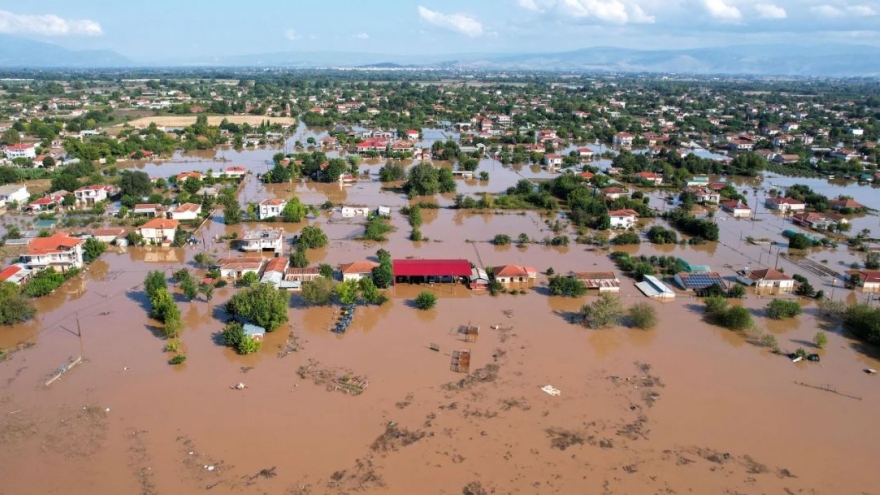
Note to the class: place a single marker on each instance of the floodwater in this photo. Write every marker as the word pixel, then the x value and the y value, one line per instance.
pixel 683 408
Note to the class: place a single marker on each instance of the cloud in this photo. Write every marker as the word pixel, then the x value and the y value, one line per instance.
pixel 770 11
pixel 832 12
pixel 609 11
pixel 361 36
pixel 47 25
pixel 461 23
pixel 722 11
pixel 291 35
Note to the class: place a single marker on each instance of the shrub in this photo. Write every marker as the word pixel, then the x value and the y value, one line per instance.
pixel 820 339
pixel 172 346
pixel 312 238
pixel 426 300
pixel 501 240
pixel 603 312
pixel 799 241
pixel 805 290
pixel 173 325
pixel 14 307
pixel 737 291
pixel 626 238
pixel 43 283
pixel 318 292
pixel 779 309
pixel 248 345
pixel 567 286
pixel 248 279
pixel 736 318
pixel 92 249
pixel 642 315
pixel 769 340
pixel 232 334
pixel 178 359
pixel 715 305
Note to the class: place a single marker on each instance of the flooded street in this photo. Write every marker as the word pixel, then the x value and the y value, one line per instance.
pixel 686 407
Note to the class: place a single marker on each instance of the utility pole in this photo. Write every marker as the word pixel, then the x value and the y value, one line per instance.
pixel 79 334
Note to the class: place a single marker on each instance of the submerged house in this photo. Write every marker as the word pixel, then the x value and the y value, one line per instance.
pixel 601 281
pixel 652 287
pixel 768 278
pixel 235 268
pixel 262 240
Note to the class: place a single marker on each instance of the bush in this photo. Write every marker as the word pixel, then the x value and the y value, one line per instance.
pixel 248 279
pixel 376 229
pixel 312 238
pixel 154 282
pixel 567 286
pixel 737 291
pixel 426 300
pixel 820 339
pixel 603 312
pixel 501 240
pixel 173 325
pixel 642 315
pixel 715 305
pixel 736 318
pixel 660 235
pixel 769 340
pixel 779 309
pixel 14 307
pixel 232 334
pixel 172 346
pixel 799 241
pixel 318 292
pixel 248 345
pixel 626 238
pixel 43 283
pixel 92 249
pixel 805 290
pixel 178 359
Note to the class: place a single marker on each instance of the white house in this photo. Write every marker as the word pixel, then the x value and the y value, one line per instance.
pixel 768 278
pixel 158 230
pixel 89 195
pixel 109 235
pixel 270 208
pixel 507 274
pixel 235 268
pixel 737 208
pixel 651 177
pixel 623 139
pixel 552 160
pixel 357 270
pixel 262 240
pixel 22 150
pixel 17 193
pixel 186 211
pixel 234 172
pixel 623 219
pixel 59 251
pixel 785 205
pixel 355 211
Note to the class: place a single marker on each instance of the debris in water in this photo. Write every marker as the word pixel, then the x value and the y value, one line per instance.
pixel 239 386
pixel 551 390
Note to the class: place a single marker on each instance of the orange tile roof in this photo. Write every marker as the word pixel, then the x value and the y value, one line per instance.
pixel 59 242
pixel 358 267
pixel 161 223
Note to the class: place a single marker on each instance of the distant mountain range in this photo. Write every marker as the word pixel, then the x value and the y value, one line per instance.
pixel 766 60
pixel 19 53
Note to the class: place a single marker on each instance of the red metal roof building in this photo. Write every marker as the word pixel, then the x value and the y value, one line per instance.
pixel 432 268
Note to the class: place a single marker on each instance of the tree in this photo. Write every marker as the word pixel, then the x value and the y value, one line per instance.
pixel 232 334
pixel 248 279
pixel 232 212
pixel 190 288
pixel 48 162
pixel 93 249
pixel 136 184
pixel 347 292
pixel 736 291
pixel 294 211
pixel 736 318
pixel 415 217
pixel 318 292
pixel 642 315
pixel 426 300
pixel 173 325
pixel 391 172
pixel 863 321
pixel 192 185
pixel 164 307
pixel 804 289
pixel 154 282
pixel 64 182
pixel 820 339
pixel 262 304
pixel 43 283
pixel 422 180
pixel 370 292
pixel 207 290
pixel 10 136
pixel 799 241
pixel 603 312
pixel 715 305
pixel 311 238
pixel 205 260
pixel 326 270
pixel 14 307
pixel 298 258
pixel 383 275
pixel 872 261
pixel 567 286
pixel 779 309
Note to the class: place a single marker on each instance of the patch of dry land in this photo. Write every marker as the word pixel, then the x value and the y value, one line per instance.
pixel 184 120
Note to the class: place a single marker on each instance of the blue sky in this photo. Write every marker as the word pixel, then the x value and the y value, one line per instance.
pixel 156 30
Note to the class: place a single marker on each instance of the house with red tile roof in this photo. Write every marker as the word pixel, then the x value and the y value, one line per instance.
pixel 59 251
pixel 159 230
pixel 651 177
pixel 186 211
pixel 507 274
pixel 357 270
pixel 623 219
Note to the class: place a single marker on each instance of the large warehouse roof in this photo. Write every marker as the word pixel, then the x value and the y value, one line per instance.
pixel 431 268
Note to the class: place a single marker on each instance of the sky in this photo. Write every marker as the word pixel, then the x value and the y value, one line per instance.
pixel 199 30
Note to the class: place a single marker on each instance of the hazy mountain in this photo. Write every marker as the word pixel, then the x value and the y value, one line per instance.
pixel 783 60
pixel 18 52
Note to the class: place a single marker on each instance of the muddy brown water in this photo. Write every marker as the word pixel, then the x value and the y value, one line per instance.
pixel 684 407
